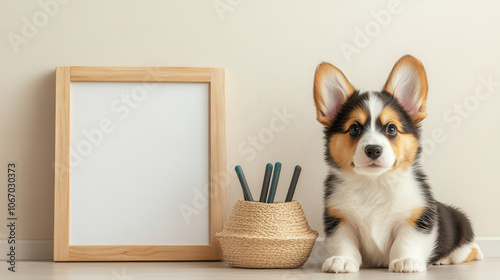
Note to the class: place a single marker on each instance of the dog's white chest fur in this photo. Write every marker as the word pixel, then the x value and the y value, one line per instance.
pixel 375 209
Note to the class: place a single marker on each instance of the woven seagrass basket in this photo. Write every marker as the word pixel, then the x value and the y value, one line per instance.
pixel 267 235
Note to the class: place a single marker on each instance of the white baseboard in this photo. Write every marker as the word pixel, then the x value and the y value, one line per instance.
pixel 28 249
pixel 42 249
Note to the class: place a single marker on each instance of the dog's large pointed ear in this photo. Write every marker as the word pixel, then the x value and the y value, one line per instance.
pixel 408 83
pixel 331 90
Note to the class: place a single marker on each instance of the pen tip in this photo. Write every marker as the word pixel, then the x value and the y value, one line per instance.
pixel 237 168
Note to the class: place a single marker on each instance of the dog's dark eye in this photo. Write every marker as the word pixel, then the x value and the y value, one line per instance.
pixel 392 130
pixel 355 130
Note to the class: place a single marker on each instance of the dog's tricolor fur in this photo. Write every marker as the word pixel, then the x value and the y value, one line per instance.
pixel 379 208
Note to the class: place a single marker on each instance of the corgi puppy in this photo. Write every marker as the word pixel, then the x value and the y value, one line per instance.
pixel 379 208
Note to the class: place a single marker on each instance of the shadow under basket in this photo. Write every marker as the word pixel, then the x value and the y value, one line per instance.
pixel 267 235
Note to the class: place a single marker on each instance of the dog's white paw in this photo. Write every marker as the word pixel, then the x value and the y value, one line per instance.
pixel 340 265
pixel 407 265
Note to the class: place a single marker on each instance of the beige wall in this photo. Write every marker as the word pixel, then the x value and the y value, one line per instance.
pixel 269 50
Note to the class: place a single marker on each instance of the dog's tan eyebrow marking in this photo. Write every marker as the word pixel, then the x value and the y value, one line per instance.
pixel 357 115
pixel 360 114
pixel 389 115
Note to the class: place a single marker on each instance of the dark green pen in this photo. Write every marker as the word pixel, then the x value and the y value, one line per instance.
pixel 293 184
pixel 244 185
pixel 274 182
pixel 265 184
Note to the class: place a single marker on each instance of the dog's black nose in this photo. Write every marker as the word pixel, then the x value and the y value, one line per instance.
pixel 373 151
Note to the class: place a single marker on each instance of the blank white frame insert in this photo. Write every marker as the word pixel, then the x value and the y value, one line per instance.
pixel 139 154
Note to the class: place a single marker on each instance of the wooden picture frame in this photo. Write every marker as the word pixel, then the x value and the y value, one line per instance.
pixel 214 77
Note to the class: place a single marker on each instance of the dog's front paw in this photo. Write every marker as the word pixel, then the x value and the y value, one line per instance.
pixel 340 264
pixel 407 265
